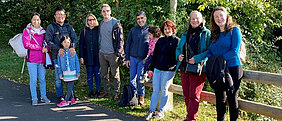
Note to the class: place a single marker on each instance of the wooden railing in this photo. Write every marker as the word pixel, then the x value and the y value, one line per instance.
pixel 249 106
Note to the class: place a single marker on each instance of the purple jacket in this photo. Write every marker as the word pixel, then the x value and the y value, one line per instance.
pixel 35 54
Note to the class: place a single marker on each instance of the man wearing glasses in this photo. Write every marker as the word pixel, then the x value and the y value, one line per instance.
pixel 111 51
pixel 136 51
pixel 55 31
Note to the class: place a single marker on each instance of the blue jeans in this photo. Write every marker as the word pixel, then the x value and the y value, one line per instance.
pixel 58 82
pixel 93 70
pixel 161 82
pixel 36 70
pixel 136 67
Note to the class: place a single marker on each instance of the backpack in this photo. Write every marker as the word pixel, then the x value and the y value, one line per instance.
pixel 17 44
pixel 128 97
pixel 242 51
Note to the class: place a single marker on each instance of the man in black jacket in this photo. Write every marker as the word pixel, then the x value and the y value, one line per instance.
pixel 111 51
pixel 59 28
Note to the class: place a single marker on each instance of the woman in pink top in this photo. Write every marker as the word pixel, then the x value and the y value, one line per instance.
pixel 154 34
pixel 33 37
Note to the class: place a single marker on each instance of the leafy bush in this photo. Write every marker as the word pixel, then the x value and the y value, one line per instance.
pixel 260 22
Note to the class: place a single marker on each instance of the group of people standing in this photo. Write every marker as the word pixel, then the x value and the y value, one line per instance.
pixel 101 50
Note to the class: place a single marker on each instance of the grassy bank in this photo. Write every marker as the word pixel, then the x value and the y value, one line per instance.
pixel 10 66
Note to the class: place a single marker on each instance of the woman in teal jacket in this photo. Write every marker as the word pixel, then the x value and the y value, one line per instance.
pixel 197 37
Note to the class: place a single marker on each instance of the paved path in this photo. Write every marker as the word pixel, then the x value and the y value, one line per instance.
pixel 15 105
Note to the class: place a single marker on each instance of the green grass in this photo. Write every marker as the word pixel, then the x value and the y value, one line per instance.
pixel 10 66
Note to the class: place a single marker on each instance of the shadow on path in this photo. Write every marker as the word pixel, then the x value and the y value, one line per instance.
pixel 15 104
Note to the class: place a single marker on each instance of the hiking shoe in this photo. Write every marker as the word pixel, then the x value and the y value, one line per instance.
pixel 76 97
pixel 45 100
pixel 73 101
pixel 61 98
pixel 116 97
pixel 97 93
pixel 159 115
pixel 149 115
pixel 34 102
pixel 141 100
pixel 103 95
pixel 63 104
pixel 91 94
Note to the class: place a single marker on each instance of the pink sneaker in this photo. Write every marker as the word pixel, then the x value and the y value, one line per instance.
pixel 63 104
pixel 73 101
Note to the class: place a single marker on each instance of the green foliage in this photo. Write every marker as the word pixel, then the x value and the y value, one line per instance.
pixel 260 22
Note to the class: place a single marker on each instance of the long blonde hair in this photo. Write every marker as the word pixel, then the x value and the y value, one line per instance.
pixel 86 21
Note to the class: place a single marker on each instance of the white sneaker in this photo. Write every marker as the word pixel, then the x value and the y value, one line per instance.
pixel 149 115
pixel 45 100
pixel 160 115
pixel 34 102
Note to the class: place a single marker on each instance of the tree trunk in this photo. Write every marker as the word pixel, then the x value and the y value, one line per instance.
pixel 173 6
pixel 117 3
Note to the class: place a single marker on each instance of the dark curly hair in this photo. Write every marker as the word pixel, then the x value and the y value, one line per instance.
pixel 215 30
pixel 155 31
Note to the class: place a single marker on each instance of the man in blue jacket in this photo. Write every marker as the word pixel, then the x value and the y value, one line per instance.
pixel 59 28
pixel 136 50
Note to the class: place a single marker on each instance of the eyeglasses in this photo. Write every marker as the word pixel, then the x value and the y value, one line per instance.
pixel 140 18
pixel 60 14
pixel 104 11
pixel 91 19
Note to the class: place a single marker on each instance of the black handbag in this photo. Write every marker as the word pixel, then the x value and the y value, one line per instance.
pixel 192 68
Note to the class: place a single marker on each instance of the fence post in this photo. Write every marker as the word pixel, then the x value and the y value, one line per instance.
pixel 169 104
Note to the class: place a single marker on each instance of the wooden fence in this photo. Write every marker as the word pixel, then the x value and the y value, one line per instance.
pixel 249 106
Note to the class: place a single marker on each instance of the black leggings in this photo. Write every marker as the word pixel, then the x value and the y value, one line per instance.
pixel 70 86
pixel 236 74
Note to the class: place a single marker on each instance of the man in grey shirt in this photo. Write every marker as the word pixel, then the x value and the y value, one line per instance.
pixel 111 51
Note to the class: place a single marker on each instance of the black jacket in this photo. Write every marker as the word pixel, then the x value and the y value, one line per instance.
pixel 88 46
pixel 218 74
pixel 164 54
pixel 54 32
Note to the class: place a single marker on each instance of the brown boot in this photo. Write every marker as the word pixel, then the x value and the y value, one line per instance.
pixel 104 94
pixel 116 97
pixel 141 100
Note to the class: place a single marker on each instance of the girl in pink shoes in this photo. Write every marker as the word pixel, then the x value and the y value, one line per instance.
pixel 68 70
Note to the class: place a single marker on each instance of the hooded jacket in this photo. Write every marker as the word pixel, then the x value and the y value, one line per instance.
pixel 53 34
pixel 118 40
pixel 35 54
